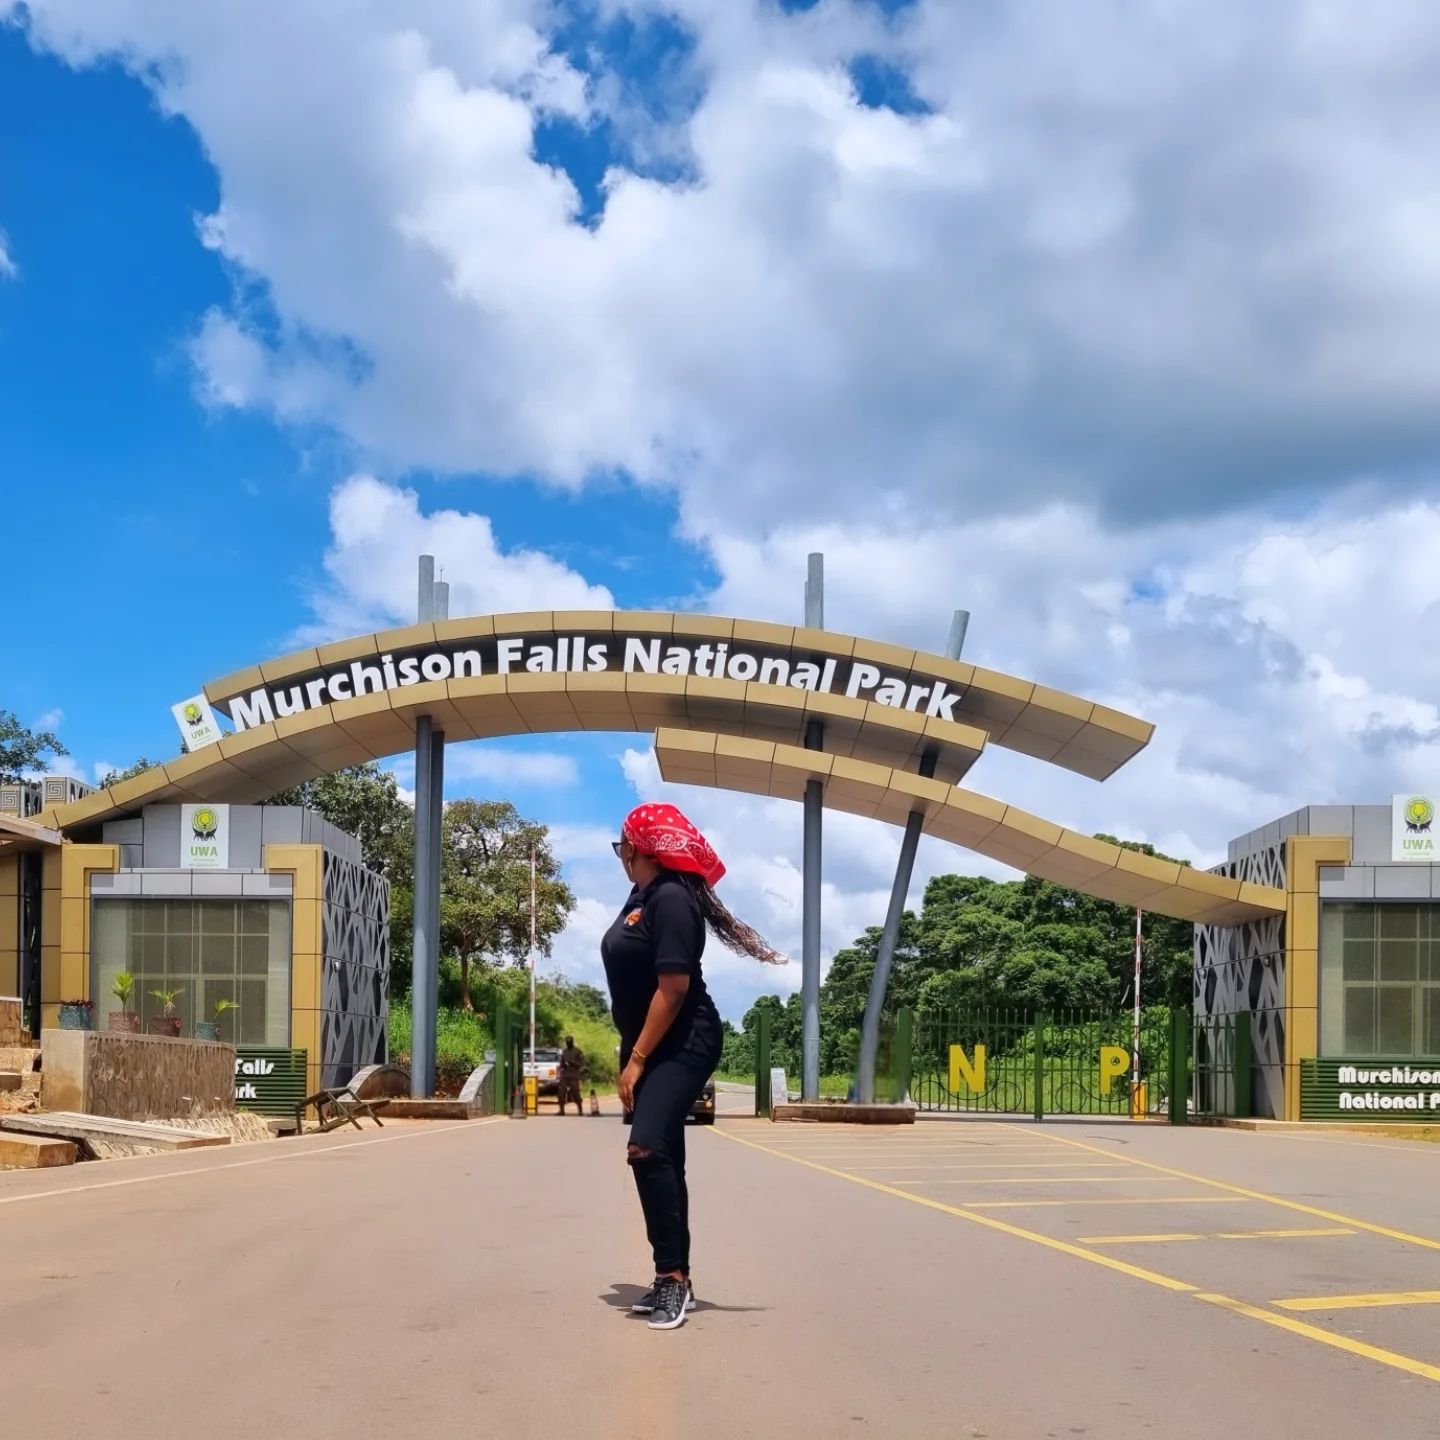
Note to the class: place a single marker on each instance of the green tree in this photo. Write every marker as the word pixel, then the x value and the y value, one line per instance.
pixel 846 990
pixel 485 886
pixel 364 801
pixel 786 1029
pixel 114 777
pixel 22 747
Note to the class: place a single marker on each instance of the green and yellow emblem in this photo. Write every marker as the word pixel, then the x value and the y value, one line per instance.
pixel 204 822
pixel 193 714
pixel 1419 814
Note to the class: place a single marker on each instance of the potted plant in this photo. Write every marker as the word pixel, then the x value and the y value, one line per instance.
pixel 76 1014
pixel 210 1029
pixel 125 1020
pixel 167 1023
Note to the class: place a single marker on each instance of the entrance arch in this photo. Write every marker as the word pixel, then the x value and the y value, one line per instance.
pixel 883 708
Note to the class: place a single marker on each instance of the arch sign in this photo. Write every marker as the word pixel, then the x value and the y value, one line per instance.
pixel 730 702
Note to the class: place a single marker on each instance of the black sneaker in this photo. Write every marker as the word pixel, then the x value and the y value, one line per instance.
pixel 645 1305
pixel 672 1300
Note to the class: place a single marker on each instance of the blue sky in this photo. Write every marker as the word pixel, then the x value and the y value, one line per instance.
pixel 198 530
pixel 1112 324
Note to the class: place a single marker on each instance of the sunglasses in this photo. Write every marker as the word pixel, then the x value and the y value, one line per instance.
pixel 615 846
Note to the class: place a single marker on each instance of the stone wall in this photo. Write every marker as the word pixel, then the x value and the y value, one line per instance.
pixel 10 1031
pixel 135 1077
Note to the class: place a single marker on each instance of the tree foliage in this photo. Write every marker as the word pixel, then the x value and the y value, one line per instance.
pixel 485 886
pixel 1027 945
pixel 364 801
pixel 22 747
pixel 115 777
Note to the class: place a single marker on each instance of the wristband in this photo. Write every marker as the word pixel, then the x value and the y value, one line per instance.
pixel 639 1055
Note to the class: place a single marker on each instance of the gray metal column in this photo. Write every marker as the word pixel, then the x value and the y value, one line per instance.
pixel 899 890
pixel 811 872
pixel 425 976
pixel 439 610
pixel 425 953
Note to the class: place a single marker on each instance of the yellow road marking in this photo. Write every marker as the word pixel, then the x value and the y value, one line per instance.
pixel 1048 1180
pixel 1360 1302
pixel 1327 1337
pixel 1406 1147
pixel 1424 1241
pixel 1213 1235
pixel 1000 1165
pixel 1135 1239
pixel 1129 1200
pixel 1108 1261
pixel 1152 1277
pixel 1281 1234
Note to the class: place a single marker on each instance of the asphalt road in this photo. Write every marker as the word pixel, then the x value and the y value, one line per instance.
pixel 955 1279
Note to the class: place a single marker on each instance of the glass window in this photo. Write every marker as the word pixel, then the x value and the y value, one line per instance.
pixel 1359 960
pixel 1396 1031
pixel 1432 1019
pixel 1359 1020
pixel 207 950
pixel 1380 980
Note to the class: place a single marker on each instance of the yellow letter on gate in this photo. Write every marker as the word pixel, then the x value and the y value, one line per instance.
pixel 960 1067
pixel 1114 1060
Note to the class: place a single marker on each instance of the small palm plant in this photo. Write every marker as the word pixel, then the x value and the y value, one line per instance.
pixel 210 1029
pixel 124 1020
pixel 167 1023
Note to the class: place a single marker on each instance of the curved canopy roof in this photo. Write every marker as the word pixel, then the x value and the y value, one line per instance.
pixel 1068 731
pixel 317 710
pixel 989 827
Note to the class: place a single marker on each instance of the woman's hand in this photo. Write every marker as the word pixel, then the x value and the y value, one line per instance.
pixel 629 1079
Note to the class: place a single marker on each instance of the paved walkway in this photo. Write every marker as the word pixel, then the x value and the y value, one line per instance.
pixel 957 1279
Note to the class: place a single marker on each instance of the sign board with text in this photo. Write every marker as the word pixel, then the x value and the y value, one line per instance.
pixel 1412 828
pixel 269 1080
pixel 548 653
pixel 196 723
pixel 1371 1089
pixel 204 837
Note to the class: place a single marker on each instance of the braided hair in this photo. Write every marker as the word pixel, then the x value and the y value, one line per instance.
pixel 732 933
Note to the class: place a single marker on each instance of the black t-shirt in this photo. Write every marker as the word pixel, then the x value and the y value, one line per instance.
pixel 659 931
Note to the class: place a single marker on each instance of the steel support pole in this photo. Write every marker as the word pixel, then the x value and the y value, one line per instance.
pixel 811 870
pixel 425 955
pixel 899 892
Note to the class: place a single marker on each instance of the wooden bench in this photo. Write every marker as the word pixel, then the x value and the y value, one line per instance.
pixel 344 1107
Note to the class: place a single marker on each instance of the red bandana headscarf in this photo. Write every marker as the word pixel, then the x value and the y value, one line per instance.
pixel 664 834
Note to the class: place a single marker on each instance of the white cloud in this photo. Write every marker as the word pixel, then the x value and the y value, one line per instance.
pixel 9 270
pixel 1283 661
pixel 1075 274
pixel 760 842
pixel 377 530
pixel 49 720
pixel 494 764
pixel 982 356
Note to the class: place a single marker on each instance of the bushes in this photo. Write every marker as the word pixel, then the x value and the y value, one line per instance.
pixel 461 1040
pixel 463 1036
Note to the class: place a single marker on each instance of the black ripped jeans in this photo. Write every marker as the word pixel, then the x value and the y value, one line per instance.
pixel 667 1091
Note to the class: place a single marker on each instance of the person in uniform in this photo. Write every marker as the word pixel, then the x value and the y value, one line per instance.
pixel 572 1062
pixel 670 1033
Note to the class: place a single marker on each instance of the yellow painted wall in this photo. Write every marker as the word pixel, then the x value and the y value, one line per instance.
pixel 306 865
pixel 1304 855
pixel 65 923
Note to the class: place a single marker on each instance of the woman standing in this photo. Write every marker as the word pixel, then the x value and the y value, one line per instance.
pixel 669 1028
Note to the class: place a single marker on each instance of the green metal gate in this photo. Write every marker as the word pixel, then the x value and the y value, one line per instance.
pixel 1008 1062
pixel 1223 1066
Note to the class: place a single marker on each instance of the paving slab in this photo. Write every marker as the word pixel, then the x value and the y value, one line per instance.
pixel 72 1125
